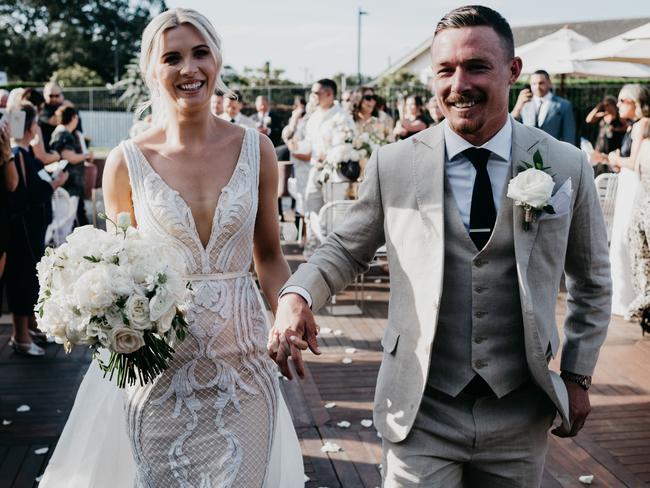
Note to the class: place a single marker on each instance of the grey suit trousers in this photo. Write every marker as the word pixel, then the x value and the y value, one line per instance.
pixel 473 442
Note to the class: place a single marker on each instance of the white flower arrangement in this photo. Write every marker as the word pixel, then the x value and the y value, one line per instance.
pixel 122 291
pixel 532 189
pixel 342 148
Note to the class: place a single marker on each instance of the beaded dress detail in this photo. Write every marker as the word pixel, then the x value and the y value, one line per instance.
pixel 208 421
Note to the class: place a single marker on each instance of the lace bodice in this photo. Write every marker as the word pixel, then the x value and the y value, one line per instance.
pixel 161 210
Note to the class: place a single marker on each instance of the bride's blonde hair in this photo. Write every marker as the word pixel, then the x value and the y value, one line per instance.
pixel 150 52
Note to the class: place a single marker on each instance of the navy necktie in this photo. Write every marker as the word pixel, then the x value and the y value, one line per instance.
pixel 483 214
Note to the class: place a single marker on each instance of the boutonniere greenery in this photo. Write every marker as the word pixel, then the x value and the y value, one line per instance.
pixel 532 189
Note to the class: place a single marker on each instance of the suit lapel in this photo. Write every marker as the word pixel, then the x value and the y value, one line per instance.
pixel 428 177
pixel 524 145
pixel 553 107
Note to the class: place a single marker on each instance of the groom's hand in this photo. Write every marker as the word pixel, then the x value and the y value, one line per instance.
pixel 294 331
pixel 579 408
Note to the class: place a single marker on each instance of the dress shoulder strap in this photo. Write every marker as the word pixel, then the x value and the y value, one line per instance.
pixel 252 147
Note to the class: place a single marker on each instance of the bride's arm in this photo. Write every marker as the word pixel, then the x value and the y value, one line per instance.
pixel 116 187
pixel 272 269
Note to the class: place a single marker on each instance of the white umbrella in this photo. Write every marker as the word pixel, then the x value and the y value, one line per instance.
pixel 555 53
pixel 630 47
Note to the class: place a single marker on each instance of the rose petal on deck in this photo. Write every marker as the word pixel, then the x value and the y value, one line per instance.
pixel 344 424
pixel 330 405
pixel 586 479
pixel 23 408
pixel 350 350
pixel 338 332
pixel 366 423
pixel 41 451
pixel 346 360
pixel 331 447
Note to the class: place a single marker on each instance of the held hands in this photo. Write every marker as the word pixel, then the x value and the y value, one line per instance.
pixel 294 331
pixel 579 408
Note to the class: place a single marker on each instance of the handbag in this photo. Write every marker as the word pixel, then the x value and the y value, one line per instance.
pixel 350 169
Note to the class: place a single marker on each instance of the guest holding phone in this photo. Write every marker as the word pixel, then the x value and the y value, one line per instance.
pixel 29 214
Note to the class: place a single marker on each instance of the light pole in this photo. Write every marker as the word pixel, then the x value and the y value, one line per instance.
pixel 360 13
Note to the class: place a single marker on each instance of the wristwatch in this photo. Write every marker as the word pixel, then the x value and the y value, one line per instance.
pixel 583 381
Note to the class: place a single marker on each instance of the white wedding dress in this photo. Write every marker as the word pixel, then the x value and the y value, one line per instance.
pixel 216 417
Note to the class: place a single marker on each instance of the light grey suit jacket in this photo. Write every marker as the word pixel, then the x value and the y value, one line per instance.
pixel 401 204
pixel 559 121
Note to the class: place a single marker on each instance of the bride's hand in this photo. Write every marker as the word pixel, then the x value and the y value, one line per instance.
pixel 294 331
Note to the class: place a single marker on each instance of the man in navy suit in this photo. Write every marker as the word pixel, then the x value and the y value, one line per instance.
pixel 538 106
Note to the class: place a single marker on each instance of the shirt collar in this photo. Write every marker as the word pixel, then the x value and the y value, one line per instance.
pixel 500 144
pixel 545 98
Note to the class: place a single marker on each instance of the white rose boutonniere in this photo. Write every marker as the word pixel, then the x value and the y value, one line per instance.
pixel 532 189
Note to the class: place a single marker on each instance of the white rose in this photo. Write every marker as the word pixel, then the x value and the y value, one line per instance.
pixel 93 290
pixel 532 187
pixel 137 311
pixel 165 322
pixel 161 302
pixel 125 340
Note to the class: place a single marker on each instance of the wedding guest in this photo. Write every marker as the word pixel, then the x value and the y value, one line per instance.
pixel 8 183
pixel 346 100
pixel 232 107
pixel 34 97
pixel 53 100
pixel 412 119
pixel 65 140
pixel 216 104
pixel 266 120
pixel 293 135
pixel 365 112
pixel 385 118
pixel 4 95
pixel 434 110
pixel 538 106
pixel 634 105
pixel 318 140
pixel 28 221
pixel 611 130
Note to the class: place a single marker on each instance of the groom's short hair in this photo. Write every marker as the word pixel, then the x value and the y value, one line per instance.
pixel 478 15
pixel 329 84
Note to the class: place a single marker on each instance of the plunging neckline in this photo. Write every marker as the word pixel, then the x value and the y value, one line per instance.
pixel 217 208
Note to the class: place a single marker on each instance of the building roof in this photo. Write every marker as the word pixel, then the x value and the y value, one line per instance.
pixel 597 30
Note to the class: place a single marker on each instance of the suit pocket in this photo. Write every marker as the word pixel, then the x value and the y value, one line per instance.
pixel 389 340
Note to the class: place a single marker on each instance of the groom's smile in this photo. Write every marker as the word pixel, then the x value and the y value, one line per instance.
pixel 473 74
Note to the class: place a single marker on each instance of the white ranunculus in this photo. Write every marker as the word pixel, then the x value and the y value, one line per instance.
pixel 531 187
pixel 137 311
pixel 125 340
pixel 93 290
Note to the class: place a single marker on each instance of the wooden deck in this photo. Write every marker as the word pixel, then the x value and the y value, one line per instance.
pixel 614 445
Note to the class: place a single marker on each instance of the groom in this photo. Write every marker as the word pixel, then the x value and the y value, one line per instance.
pixel 464 395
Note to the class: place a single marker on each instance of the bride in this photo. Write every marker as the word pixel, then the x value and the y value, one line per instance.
pixel 216 417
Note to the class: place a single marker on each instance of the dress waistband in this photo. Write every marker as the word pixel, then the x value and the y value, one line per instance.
pixel 217 276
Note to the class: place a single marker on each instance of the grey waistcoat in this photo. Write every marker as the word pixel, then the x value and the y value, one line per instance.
pixel 480 327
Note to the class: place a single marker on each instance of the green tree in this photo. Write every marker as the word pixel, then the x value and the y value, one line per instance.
pixel 264 76
pixel 40 36
pixel 401 78
pixel 77 75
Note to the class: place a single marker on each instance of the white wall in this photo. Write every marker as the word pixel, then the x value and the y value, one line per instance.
pixel 106 129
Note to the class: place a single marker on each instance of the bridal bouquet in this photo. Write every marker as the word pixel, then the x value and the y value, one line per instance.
pixel 121 291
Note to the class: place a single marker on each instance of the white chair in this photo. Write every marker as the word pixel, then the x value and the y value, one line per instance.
pixel 606 186
pixel 64 213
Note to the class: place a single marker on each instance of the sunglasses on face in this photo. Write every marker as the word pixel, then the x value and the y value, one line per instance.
pixel 369 97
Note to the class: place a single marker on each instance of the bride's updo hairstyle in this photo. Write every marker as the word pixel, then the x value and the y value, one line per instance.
pixel 150 53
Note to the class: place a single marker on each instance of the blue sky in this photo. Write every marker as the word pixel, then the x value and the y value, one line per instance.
pixel 311 39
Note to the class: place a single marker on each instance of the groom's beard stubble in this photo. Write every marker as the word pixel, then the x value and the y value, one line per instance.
pixel 465 125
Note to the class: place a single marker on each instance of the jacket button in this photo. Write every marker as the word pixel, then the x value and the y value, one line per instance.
pixel 479 289
pixel 478 339
pixel 480 314
pixel 480 364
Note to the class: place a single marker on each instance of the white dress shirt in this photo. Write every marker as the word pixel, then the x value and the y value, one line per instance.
pixel 239 119
pixel 542 105
pixel 461 173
